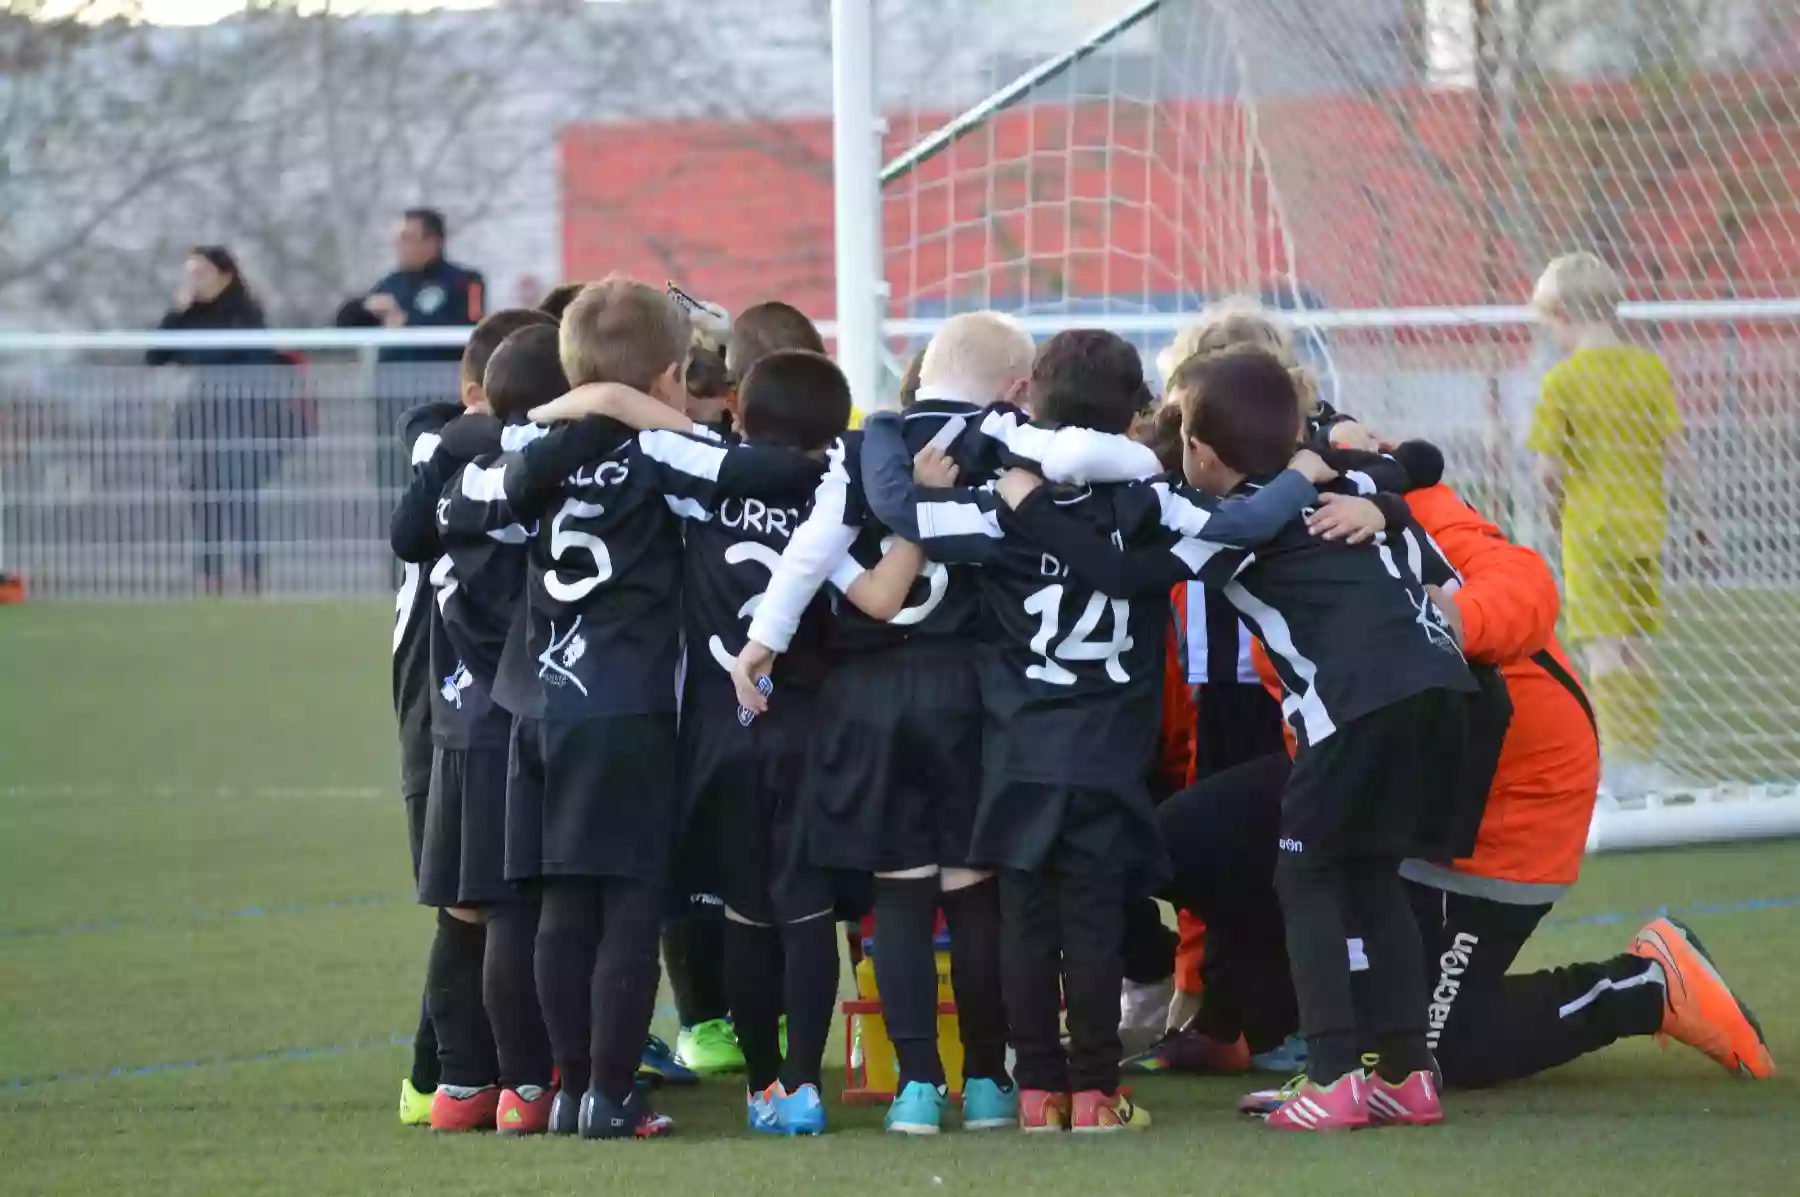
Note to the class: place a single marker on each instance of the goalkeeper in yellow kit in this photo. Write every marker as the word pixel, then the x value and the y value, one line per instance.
pixel 1605 430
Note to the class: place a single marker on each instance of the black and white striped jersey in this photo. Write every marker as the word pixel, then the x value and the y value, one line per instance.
pixel 605 578
pixel 1072 674
pixel 479 587
pixel 1349 629
pixel 412 533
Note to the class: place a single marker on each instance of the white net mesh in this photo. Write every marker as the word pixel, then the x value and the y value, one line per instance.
pixel 1407 168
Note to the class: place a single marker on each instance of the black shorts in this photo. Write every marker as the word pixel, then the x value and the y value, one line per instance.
pixel 524 801
pixel 1234 722
pixel 745 840
pixel 462 859
pixel 1370 788
pixel 894 774
pixel 611 796
pixel 1036 827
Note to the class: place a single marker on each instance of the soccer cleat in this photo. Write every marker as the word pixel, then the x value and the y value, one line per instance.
pixel 709 1048
pixel 524 1111
pixel 602 1118
pixel 801 1112
pixel 1192 1052
pixel 1144 1010
pixel 659 1066
pixel 1700 1010
pixel 1286 1057
pixel 918 1110
pixel 1261 1103
pixel 415 1107
pixel 565 1113
pixel 1041 1110
pixel 1098 1113
pixel 1341 1105
pixel 1413 1102
pixel 461 1108
pixel 759 1110
pixel 988 1106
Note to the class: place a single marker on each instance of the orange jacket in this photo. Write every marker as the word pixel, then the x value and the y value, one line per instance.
pixel 1175 753
pixel 1534 831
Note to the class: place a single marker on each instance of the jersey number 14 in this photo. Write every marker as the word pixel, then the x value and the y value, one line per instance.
pixel 1079 644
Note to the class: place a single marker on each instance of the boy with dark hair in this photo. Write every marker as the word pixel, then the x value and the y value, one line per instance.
pixel 897 752
pixel 1373 679
pixel 745 784
pixel 604 631
pixel 766 328
pixel 463 737
pixel 1071 691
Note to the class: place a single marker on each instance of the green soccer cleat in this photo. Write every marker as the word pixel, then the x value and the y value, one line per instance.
pixel 709 1048
pixel 415 1107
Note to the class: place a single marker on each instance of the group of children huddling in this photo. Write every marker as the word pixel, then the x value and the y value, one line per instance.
pixel 685 633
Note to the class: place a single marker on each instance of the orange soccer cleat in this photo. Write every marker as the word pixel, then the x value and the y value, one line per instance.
pixel 1701 1011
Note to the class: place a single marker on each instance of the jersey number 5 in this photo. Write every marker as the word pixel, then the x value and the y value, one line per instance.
pixel 1046 604
pixel 564 541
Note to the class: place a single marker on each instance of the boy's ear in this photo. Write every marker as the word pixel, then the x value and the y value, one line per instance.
pixel 473 396
pixel 668 389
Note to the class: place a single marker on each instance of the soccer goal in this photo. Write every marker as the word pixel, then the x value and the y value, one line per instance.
pixel 1395 173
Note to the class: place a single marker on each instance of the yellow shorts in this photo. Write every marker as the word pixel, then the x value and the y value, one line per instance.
pixel 1610 596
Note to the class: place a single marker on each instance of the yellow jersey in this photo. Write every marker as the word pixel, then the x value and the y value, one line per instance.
pixel 1607 414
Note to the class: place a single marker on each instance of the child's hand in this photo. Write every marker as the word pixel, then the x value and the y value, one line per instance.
pixel 933 469
pixel 755 662
pixel 1015 486
pixel 1311 466
pixel 1446 603
pixel 1346 518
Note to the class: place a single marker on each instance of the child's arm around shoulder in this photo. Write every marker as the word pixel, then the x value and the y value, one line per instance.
pixel 880 593
pixel 917 498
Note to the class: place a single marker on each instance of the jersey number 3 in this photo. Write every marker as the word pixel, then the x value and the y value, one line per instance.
pixel 1046 604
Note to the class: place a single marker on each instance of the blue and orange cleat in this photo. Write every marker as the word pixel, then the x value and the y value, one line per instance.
pixel 603 1118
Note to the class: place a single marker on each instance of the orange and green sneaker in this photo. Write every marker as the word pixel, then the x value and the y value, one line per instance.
pixel 1098 1112
pixel 1700 1010
pixel 524 1111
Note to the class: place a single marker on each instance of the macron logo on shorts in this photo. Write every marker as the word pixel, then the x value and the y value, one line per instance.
pixel 1288 845
pixel 1451 966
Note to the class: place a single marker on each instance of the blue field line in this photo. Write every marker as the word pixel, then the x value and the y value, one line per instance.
pixel 1704 908
pixel 127 923
pixel 279 1055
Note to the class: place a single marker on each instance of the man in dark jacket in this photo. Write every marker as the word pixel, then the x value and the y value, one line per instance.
pixel 425 292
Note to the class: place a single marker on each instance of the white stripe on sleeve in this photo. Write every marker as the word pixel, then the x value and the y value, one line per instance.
pixel 943 520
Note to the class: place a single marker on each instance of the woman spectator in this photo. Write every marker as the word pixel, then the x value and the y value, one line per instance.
pixel 230 426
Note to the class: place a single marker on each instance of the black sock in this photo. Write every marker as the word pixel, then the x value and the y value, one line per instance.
pixel 810 987
pixel 694 953
pixel 453 993
pixel 567 938
pixel 1313 894
pixel 509 991
pixel 752 975
pixel 906 973
pixel 973 915
pixel 425 1069
pixel 1394 984
pixel 626 973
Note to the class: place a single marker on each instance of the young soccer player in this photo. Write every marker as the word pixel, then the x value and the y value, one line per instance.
pixel 1070 694
pixel 459 866
pixel 896 764
pixel 1372 676
pixel 694 946
pixel 604 628
pixel 745 783
pixel 419 429
pixel 1605 429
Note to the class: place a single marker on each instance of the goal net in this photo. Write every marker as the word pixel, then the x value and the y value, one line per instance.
pixel 1397 173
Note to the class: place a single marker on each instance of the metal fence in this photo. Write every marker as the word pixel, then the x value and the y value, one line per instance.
pixel 126 481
